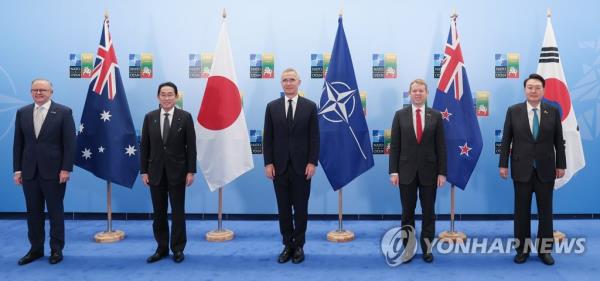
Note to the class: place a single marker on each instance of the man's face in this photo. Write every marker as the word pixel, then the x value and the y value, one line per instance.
pixel 41 91
pixel 418 94
pixel 290 83
pixel 167 97
pixel 534 91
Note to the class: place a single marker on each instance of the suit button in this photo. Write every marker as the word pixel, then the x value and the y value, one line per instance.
pixel 164 147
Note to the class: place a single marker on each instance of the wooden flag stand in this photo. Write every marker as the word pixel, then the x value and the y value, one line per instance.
pixel 109 235
pixel 220 234
pixel 340 234
pixel 452 236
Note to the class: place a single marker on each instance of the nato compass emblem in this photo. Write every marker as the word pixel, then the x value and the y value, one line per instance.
pixel 339 106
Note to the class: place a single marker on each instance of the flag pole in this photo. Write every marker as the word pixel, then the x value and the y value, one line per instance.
pixel 340 234
pixel 452 236
pixel 220 234
pixel 558 235
pixel 109 235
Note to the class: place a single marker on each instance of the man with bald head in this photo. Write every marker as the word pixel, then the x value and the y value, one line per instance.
pixel 43 152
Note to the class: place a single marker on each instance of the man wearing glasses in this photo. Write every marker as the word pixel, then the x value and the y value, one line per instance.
pixel 43 152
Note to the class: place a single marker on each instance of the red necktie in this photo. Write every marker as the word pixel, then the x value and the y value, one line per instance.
pixel 419 126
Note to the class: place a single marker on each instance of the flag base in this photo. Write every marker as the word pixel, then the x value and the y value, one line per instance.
pixel 219 235
pixel 559 236
pixel 452 237
pixel 340 235
pixel 109 236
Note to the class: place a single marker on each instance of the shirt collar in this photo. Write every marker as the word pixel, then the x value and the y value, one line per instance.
pixel 414 108
pixel 294 99
pixel 530 107
pixel 46 105
pixel 162 112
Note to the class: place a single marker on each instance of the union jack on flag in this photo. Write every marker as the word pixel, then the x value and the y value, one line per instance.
pixel 454 100
pixel 106 140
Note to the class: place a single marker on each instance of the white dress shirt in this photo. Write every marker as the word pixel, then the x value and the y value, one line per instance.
pixel 294 103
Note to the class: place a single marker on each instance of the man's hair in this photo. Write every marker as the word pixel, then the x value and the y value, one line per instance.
pixel 418 82
pixel 167 84
pixel 44 80
pixel 536 77
pixel 289 69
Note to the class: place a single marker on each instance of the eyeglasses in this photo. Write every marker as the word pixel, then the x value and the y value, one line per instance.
pixel 42 91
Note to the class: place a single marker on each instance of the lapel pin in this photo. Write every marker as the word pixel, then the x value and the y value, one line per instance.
pixel 545 111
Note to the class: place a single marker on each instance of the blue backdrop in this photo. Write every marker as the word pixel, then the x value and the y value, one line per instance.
pixel 38 37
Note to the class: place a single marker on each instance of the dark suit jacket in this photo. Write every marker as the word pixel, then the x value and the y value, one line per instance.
pixel 407 157
pixel 300 144
pixel 525 149
pixel 52 151
pixel 177 156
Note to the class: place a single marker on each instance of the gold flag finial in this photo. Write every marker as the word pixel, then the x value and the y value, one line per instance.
pixel 548 13
pixel 454 15
pixel 224 14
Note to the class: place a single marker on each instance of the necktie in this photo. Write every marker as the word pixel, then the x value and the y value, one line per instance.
pixel 289 115
pixel 38 120
pixel 535 127
pixel 419 126
pixel 166 128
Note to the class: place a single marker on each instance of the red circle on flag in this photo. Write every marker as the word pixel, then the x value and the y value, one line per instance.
pixel 557 92
pixel 221 104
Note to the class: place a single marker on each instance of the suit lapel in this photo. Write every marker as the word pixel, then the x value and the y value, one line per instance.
pixel 28 115
pixel 155 126
pixel 174 124
pixel 299 105
pixel 544 117
pixel 50 115
pixel 525 116
pixel 428 121
pixel 411 124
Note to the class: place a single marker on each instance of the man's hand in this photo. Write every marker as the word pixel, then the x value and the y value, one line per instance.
pixel 441 180
pixel 504 173
pixel 189 179
pixel 63 176
pixel 560 173
pixel 18 179
pixel 309 171
pixel 270 171
pixel 145 179
pixel 394 179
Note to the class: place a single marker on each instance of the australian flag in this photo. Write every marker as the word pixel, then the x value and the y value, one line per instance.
pixel 106 140
pixel 454 100
pixel 345 145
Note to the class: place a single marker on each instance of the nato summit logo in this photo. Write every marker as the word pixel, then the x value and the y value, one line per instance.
pixel 199 65
pixel 319 64
pixel 497 141
pixel 384 66
pixel 140 65
pixel 256 138
pixel 482 103
pixel 381 141
pixel 262 66
pixel 506 66
pixel 81 65
pixel 437 65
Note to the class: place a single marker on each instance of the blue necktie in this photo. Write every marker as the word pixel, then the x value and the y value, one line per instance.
pixel 535 128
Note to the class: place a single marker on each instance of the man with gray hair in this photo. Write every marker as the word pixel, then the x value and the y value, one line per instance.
pixel 43 152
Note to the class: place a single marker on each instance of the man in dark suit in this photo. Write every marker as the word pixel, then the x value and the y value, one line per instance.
pixel 291 151
pixel 418 161
pixel 168 156
pixel 43 152
pixel 538 157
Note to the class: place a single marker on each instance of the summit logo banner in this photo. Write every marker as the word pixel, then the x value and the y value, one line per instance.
pixel 262 66
pixel 385 66
pixel 81 65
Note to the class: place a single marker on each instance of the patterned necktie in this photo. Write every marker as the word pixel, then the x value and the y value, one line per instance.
pixel 289 115
pixel 166 128
pixel 535 127
pixel 38 120
pixel 419 126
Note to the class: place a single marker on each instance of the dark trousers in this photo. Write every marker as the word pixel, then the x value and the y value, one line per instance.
pixel 522 221
pixel 292 192
pixel 38 192
pixel 408 198
pixel 176 195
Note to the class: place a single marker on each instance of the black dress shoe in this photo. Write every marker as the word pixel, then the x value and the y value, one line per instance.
pixel 30 256
pixel 428 258
pixel 285 255
pixel 156 257
pixel 298 255
pixel 521 258
pixel 178 257
pixel 546 259
pixel 56 256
